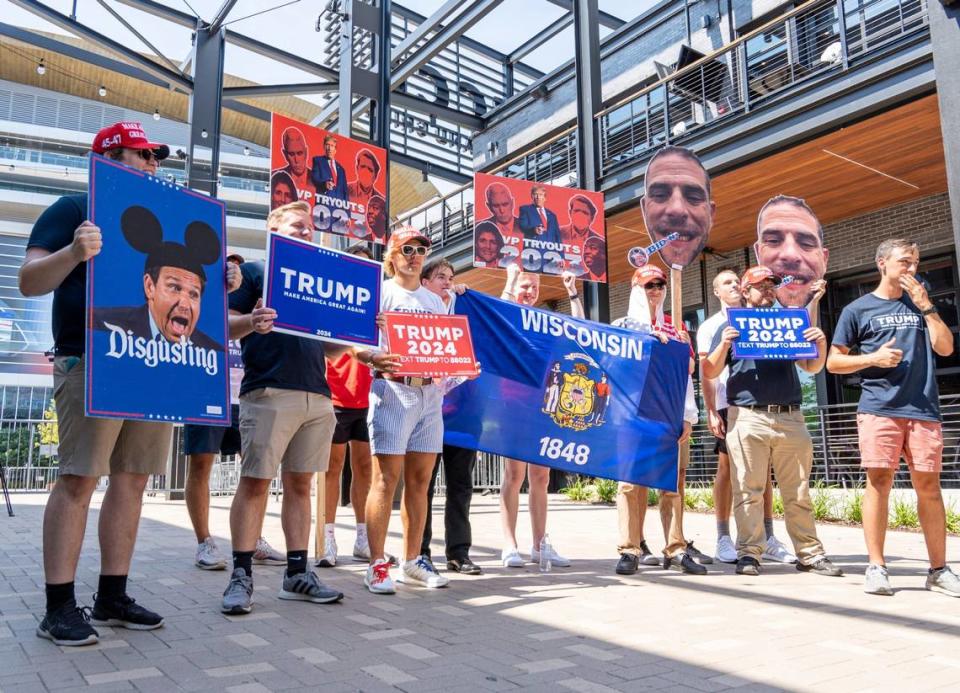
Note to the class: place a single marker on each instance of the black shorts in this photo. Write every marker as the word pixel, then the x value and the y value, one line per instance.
pixel 351 425
pixel 199 440
pixel 721 445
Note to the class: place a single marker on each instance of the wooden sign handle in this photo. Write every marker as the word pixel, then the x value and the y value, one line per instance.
pixel 676 297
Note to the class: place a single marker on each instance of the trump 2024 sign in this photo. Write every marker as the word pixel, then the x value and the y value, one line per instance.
pixel 771 333
pixel 321 293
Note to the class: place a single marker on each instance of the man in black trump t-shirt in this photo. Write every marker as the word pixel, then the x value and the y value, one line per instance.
pixel 896 330
pixel 766 428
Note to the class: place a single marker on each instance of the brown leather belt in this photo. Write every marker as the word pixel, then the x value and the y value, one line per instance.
pixel 411 380
pixel 772 408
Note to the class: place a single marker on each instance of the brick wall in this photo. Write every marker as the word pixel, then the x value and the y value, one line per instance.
pixel 853 242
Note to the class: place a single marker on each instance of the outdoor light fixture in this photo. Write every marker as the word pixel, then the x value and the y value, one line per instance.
pixel 156 114
pixel 66 173
pixel 41 68
pixel 246 151
pixel 203 133
pixel 102 90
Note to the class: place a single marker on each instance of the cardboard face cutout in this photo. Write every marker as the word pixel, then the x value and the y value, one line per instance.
pixel 789 242
pixel 677 201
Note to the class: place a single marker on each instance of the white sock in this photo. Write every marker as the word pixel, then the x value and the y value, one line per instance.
pixel 328 529
pixel 361 530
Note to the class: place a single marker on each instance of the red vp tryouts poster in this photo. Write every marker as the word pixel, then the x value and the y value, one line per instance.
pixel 431 345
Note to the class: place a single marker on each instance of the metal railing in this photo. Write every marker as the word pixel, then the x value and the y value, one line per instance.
pixel 816 38
pixel 833 428
pixel 449 219
pixel 446 220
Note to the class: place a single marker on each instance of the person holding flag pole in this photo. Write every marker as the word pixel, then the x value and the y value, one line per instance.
pixel 645 314
pixel 524 288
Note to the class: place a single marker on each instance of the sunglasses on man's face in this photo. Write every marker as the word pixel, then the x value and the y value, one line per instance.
pixel 147 155
pixel 655 285
pixel 409 250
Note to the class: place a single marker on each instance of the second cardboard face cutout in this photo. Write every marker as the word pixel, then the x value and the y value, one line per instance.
pixel 790 242
pixel 677 201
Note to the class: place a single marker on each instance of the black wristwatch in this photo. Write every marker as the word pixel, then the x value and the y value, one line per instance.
pixel 929 311
pixel 574 297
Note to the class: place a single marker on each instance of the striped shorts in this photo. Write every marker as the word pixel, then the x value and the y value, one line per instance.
pixel 405 419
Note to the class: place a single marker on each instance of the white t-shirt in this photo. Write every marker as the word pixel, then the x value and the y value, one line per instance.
pixel 394 297
pixel 705 335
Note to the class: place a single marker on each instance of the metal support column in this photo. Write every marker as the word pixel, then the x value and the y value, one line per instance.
pixel 205 109
pixel 596 296
pixel 381 134
pixel 344 117
pixel 945 38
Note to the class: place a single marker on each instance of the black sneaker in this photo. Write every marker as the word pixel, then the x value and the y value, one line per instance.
pixel 697 555
pixel 747 565
pixel 124 613
pixel 821 566
pixel 628 564
pixel 646 555
pixel 684 563
pixel 68 626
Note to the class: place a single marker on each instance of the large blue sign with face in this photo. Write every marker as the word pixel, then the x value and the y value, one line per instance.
pixel 771 333
pixel 571 394
pixel 156 301
pixel 321 293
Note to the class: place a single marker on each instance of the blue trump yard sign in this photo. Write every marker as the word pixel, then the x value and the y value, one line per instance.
pixel 156 330
pixel 570 394
pixel 771 333
pixel 321 293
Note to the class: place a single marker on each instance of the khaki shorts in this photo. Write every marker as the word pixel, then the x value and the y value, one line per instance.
pixel 883 439
pixel 97 447
pixel 291 427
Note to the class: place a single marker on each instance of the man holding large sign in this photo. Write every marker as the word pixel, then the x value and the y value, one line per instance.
pixel 60 245
pixel 286 423
pixel 766 428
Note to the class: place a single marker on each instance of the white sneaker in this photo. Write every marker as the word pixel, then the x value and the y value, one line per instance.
pixel 209 556
pixel 361 549
pixel 555 559
pixel 378 579
pixel 511 558
pixel 420 571
pixel 264 554
pixel 776 551
pixel 329 558
pixel 726 551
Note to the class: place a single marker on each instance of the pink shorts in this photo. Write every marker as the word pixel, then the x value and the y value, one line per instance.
pixel 884 439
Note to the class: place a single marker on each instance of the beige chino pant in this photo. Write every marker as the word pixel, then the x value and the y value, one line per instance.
pixel 756 441
pixel 630 500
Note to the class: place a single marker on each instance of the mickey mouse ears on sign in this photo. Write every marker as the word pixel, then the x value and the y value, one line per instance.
pixel 639 256
pixel 144 233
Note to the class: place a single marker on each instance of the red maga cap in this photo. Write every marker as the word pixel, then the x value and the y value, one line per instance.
pixel 128 134
pixel 405 234
pixel 648 273
pixel 757 274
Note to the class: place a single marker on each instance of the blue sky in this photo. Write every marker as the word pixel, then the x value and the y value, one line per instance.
pixel 293 27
